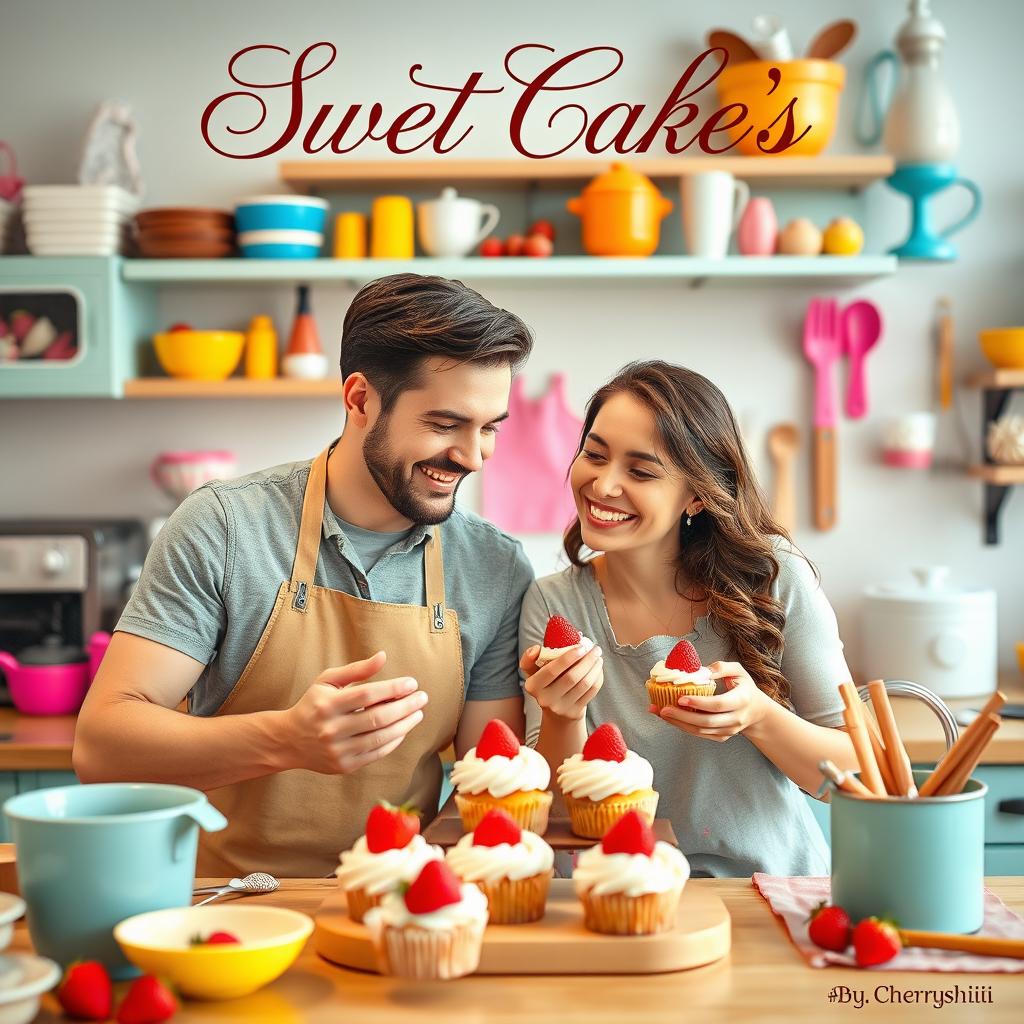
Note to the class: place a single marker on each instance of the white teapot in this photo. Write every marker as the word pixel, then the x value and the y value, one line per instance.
pixel 451 225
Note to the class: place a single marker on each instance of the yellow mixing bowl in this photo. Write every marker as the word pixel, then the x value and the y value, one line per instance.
pixel 814 84
pixel 199 355
pixel 1003 347
pixel 271 939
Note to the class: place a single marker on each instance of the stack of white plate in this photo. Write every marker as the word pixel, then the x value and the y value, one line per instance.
pixel 77 220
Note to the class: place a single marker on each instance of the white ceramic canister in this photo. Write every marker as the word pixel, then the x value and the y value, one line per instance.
pixel 932 633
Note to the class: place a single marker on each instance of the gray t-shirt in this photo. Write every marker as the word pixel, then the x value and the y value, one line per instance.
pixel 211 577
pixel 732 810
pixel 368 546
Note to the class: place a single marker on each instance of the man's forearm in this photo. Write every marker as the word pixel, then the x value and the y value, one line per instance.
pixel 134 740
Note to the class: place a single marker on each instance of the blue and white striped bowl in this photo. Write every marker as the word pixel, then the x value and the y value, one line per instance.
pixel 281 213
pixel 280 245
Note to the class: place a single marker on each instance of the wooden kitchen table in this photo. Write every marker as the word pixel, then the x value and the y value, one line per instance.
pixel 763 979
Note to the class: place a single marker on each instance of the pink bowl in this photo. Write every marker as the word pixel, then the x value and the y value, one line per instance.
pixel 49 689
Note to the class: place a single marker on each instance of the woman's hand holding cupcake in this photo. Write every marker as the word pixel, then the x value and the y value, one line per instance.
pixel 741 708
pixel 565 673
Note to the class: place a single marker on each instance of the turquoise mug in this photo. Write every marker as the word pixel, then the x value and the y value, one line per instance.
pixel 919 861
pixel 90 856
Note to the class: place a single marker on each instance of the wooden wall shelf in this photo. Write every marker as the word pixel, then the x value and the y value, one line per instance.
pixel 233 387
pixel 1001 476
pixel 997 379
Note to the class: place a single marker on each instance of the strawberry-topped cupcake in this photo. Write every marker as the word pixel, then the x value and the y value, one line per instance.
pixel 512 867
pixel 630 884
pixel 501 772
pixel 433 929
pixel 390 854
pixel 679 675
pixel 604 782
pixel 560 636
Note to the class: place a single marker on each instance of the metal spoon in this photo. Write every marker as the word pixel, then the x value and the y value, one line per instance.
pixel 253 883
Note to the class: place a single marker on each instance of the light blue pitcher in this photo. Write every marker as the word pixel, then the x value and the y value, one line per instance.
pixel 90 856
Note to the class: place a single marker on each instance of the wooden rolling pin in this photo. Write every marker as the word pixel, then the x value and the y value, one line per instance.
pixel 981 945
pixel 948 765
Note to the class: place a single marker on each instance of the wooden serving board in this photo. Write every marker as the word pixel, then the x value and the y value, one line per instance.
pixel 558 943
pixel 447 831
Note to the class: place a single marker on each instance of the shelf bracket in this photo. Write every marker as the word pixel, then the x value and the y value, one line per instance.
pixel 995 495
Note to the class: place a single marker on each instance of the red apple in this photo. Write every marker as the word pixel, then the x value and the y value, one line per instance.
pixel 542 227
pixel 538 245
pixel 179 327
pixel 492 247
pixel 514 245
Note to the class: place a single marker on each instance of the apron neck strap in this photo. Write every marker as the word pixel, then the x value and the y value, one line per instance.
pixel 311 525
pixel 433 572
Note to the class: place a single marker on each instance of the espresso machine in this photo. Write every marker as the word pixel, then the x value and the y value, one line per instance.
pixel 64 581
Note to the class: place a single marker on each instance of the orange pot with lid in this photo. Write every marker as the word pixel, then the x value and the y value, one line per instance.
pixel 621 211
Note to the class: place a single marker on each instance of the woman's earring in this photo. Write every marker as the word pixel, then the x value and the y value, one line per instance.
pixel 688 520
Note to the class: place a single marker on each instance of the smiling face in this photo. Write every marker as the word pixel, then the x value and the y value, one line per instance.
pixel 628 493
pixel 436 435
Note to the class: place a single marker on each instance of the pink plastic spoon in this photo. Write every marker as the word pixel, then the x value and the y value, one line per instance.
pixel 862 327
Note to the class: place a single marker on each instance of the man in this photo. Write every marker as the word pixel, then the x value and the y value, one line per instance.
pixel 272 608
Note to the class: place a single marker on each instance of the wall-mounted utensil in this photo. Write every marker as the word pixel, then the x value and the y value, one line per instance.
pixel 946 343
pixel 832 40
pixel 738 49
pixel 822 345
pixel 862 328
pixel 783 445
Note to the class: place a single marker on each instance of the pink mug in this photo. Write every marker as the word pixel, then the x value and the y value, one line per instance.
pixel 10 183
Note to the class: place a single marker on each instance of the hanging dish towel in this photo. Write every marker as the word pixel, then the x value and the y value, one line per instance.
pixel 525 486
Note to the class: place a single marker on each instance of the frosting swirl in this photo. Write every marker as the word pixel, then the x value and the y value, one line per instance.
pixel 552 653
pixel 530 856
pixel 381 872
pixel 471 909
pixel 679 677
pixel 598 779
pixel 501 775
pixel 632 874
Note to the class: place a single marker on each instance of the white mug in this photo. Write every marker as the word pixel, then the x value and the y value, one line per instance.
pixel 450 226
pixel 713 202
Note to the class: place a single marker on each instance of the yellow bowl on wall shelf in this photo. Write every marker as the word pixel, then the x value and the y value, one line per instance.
pixel 1003 347
pixel 199 355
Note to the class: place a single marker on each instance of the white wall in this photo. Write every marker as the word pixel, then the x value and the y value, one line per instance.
pixel 168 60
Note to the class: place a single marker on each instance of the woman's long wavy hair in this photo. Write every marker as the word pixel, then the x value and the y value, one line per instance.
pixel 726 555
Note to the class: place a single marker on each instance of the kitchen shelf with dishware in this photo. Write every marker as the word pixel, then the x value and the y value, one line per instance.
pixel 233 387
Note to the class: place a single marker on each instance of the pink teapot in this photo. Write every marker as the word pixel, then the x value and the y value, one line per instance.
pixel 52 677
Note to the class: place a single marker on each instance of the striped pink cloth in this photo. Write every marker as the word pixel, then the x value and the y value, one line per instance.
pixel 793 899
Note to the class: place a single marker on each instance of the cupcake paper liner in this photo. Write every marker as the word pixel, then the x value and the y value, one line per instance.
pixel 516 900
pixel 592 818
pixel 422 954
pixel 528 810
pixel 360 901
pixel 618 914
pixel 665 695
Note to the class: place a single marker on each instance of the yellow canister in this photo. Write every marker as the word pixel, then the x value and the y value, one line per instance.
pixel 261 349
pixel 392 234
pixel 621 211
pixel 350 236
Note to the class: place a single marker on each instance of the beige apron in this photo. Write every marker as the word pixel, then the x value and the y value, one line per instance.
pixel 295 823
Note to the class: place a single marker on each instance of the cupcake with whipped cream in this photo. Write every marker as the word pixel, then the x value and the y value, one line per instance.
pixel 630 884
pixel 679 675
pixel 560 637
pixel 500 772
pixel 390 854
pixel 512 867
pixel 604 782
pixel 432 930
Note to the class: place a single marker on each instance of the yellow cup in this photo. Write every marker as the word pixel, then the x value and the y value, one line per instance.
pixel 391 228
pixel 350 236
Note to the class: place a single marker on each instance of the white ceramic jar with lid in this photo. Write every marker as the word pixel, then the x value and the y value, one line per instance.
pixel 933 633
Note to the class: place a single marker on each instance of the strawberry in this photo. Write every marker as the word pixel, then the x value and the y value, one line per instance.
pixel 829 927
pixel 875 941
pixel 496 827
pixel 86 991
pixel 630 834
pixel 216 939
pixel 605 743
pixel 497 740
pixel 561 633
pixel 391 828
pixel 148 1001
pixel 435 887
pixel 683 657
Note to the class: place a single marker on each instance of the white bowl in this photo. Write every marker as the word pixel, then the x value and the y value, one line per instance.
pixel 282 200
pixel 11 908
pixel 19 1001
pixel 305 366
pixel 281 235
pixel 89 196
pixel 73 218
pixel 72 249
pixel 55 236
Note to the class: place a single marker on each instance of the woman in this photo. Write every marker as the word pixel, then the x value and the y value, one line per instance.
pixel 664 492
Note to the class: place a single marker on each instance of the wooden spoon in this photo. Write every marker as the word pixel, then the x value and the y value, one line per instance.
pixel 832 40
pixel 738 49
pixel 783 444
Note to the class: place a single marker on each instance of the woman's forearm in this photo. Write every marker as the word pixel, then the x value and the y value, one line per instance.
pixel 559 738
pixel 795 746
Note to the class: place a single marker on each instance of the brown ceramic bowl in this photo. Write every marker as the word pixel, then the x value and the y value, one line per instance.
pixel 185 248
pixel 183 232
pixel 181 214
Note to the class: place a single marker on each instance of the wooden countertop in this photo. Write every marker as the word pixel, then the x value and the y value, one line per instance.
pixel 763 979
pixel 35 743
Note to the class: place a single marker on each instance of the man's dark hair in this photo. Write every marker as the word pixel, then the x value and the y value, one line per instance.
pixel 396 322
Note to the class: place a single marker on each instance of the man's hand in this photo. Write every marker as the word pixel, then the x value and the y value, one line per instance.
pixel 565 686
pixel 342 723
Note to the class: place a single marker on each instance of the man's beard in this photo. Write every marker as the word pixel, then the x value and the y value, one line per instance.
pixel 389 475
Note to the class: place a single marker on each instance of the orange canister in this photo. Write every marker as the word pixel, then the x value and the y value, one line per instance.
pixel 350 236
pixel 622 211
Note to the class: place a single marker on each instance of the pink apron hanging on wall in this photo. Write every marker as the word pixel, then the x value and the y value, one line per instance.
pixel 525 485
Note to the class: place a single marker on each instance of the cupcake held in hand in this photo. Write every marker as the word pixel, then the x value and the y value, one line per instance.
pixel 679 675
pixel 512 867
pixel 604 782
pixel 390 854
pixel 630 884
pixel 560 637
pixel 500 772
pixel 433 930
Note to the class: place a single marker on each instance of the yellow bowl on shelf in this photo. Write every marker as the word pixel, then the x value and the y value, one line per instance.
pixel 1003 347
pixel 199 355
pixel 271 939
pixel 815 85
